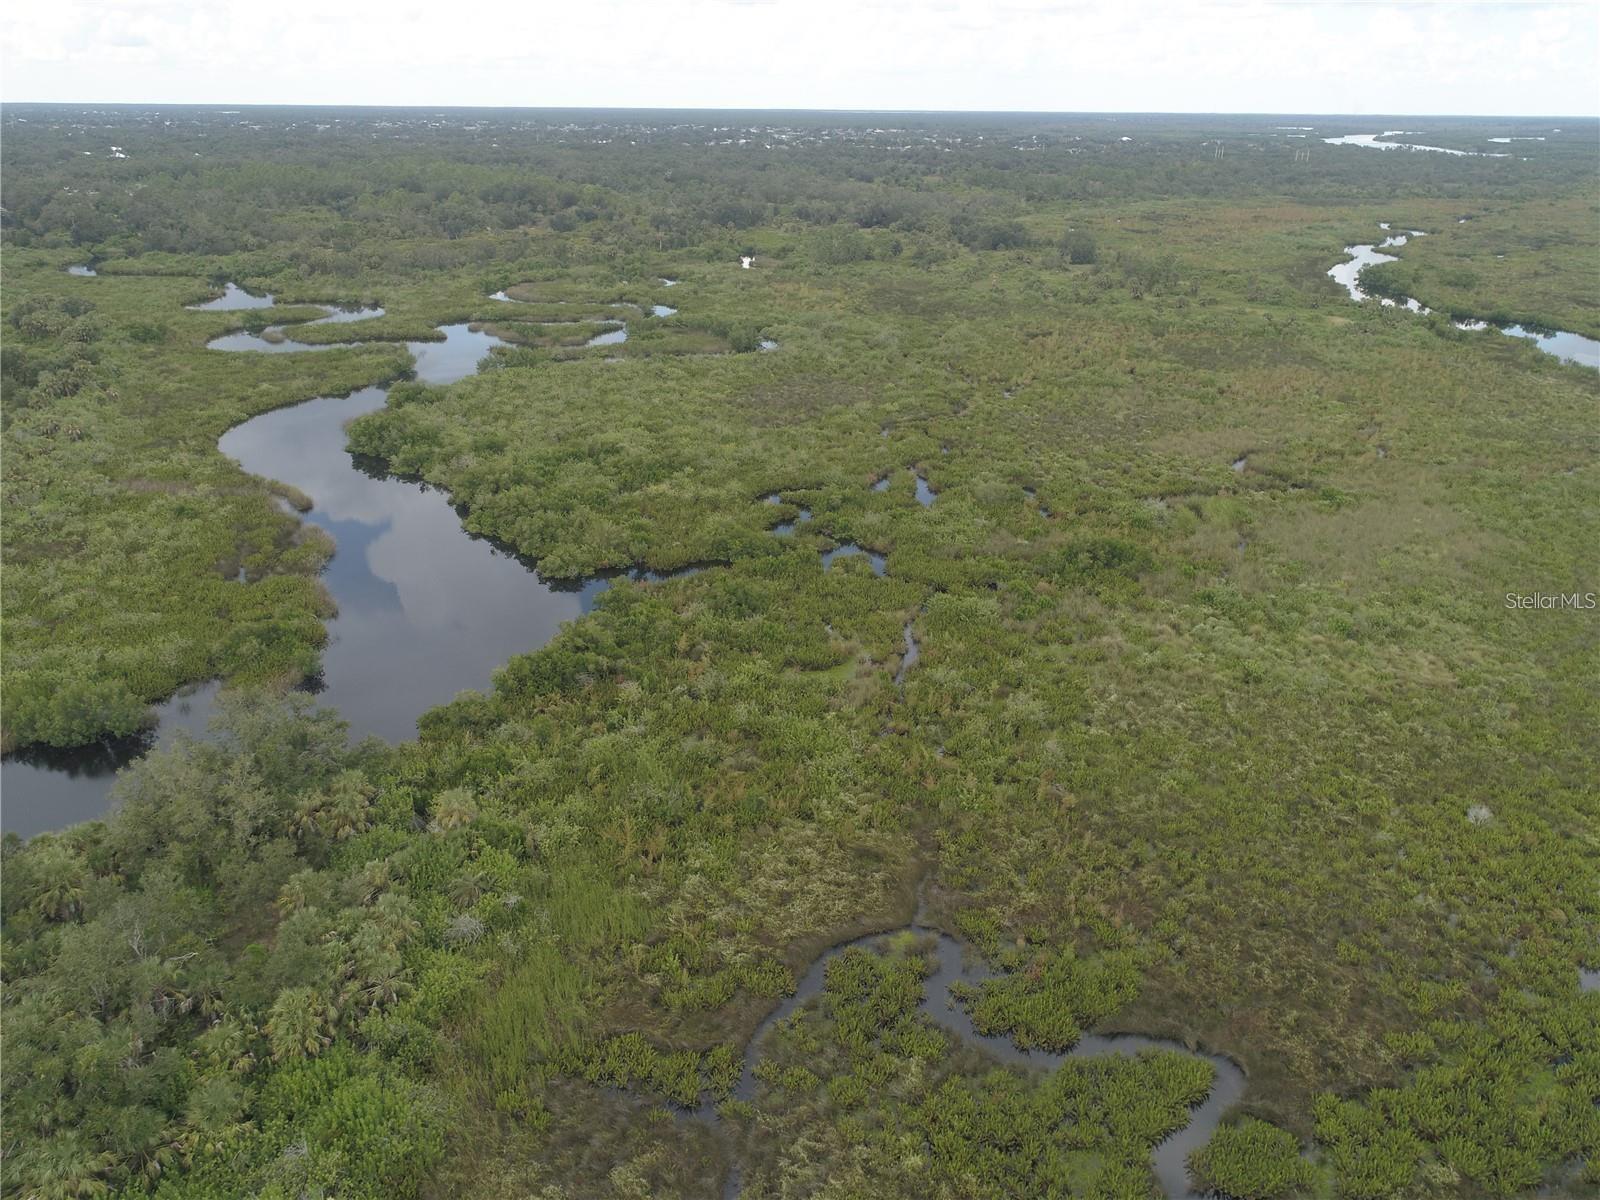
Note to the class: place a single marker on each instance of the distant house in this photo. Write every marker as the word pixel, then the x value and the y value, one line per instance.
pixel 745 260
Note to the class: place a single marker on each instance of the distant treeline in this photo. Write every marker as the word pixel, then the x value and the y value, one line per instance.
pixel 131 181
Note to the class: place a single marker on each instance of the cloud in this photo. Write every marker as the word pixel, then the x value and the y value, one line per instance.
pixel 1012 54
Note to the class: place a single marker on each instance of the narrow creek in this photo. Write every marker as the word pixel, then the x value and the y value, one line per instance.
pixel 850 550
pixel 953 965
pixel 910 657
pixel 1566 346
pixel 785 528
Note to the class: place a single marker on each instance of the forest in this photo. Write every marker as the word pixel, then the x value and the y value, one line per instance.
pixel 1011 538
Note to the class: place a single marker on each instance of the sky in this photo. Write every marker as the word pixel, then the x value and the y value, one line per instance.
pixel 1039 55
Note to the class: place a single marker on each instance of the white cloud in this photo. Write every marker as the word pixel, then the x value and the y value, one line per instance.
pixel 1137 55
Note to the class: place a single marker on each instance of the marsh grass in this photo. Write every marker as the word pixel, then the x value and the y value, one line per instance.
pixel 1179 786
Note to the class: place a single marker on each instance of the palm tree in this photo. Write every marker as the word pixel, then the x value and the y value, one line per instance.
pixel 393 914
pixel 454 808
pixel 466 889
pixel 143 1142
pixel 212 1120
pixel 60 899
pixel 208 985
pixel 226 1044
pixel 347 816
pixel 346 809
pixel 60 894
pixel 299 1024
pixel 295 893
pixel 67 1168
pixel 373 880
pixel 308 815
pixel 383 989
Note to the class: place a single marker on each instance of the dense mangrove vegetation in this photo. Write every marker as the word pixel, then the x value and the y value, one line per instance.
pixel 1083 575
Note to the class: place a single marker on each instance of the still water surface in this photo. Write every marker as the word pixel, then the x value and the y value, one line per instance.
pixel 1375 141
pixel 426 610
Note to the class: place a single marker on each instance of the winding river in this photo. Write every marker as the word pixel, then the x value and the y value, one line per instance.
pixel 1568 347
pixel 425 609
pixel 1375 141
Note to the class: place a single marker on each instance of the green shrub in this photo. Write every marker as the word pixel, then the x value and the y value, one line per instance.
pixel 1252 1161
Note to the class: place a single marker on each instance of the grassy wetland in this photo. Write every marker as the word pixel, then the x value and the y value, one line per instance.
pixel 1220 727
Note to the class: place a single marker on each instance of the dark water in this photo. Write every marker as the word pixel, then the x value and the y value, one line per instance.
pixel 1167 1161
pixel 425 609
pixel 233 299
pixel 43 788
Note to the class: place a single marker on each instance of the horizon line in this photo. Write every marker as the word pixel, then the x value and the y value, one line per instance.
pixel 845 111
